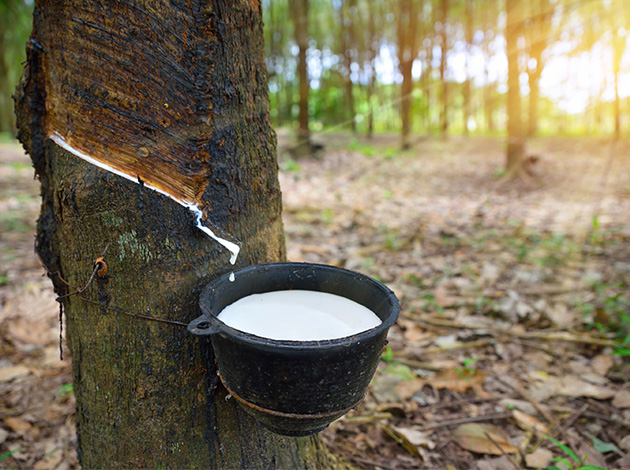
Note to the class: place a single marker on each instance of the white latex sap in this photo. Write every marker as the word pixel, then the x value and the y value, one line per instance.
pixel 299 315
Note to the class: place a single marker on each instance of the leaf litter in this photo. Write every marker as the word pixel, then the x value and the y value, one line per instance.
pixel 507 290
pixel 514 296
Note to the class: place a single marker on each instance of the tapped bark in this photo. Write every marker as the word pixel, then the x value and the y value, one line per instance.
pixel 147 392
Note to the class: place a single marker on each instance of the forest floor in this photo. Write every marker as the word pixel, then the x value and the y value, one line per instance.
pixel 508 352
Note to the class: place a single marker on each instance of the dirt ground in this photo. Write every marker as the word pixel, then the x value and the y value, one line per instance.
pixel 514 303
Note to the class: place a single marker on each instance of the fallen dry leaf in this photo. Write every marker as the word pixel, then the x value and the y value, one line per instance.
pixel 458 380
pixel 529 423
pixel 573 387
pixel 442 297
pixel 382 388
pixel 414 436
pixel 602 364
pixel 622 399
pixel 53 456
pixel 496 463
pixel 416 333
pixel 540 458
pixel 17 424
pixel 479 438
pixel 9 373
pixel 406 388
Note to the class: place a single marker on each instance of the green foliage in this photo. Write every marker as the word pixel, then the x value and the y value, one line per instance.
pixel 623 349
pixel 328 216
pixel 395 367
pixel 66 388
pixel 499 172
pixel 15 27
pixel 388 354
pixel 390 153
pixel 469 366
pixel 577 464
pixel 13 221
pixel 609 312
pixel 8 454
pixel 604 447
pixel 392 240
pixel 414 280
pixel 430 304
pixel 400 370
pixel 367 150
pixel 6 137
pixel 288 165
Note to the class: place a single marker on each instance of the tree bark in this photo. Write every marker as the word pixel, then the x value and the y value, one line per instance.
pixel 147 392
pixel 515 155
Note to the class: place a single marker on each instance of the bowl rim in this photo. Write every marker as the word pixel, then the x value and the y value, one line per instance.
pixel 296 345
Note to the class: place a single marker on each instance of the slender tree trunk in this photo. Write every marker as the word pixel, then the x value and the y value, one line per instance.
pixel 147 393
pixel 468 83
pixel 618 49
pixel 275 58
pixel 515 146
pixel 300 22
pixel 5 107
pixel 488 92
pixel 538 33
pixel 534 98
pixel 444 45
pixel 346 32
pixel 405 104
pixel 428 77
pixel 489 89
pixel 373 53
pixel 407 52
pixel 288 96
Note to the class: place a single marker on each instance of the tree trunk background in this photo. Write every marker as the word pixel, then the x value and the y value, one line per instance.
pixel 469 47
pixel 300 20
pixel 407 52
pixel 515 154
pixel 347 41
pixel 147 393
pixel 444 50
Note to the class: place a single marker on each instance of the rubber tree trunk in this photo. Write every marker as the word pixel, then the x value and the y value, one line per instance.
pixel 147 392
pixel 515 155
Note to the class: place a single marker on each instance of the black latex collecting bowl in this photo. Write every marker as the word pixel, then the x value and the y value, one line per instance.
pixel 295 388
